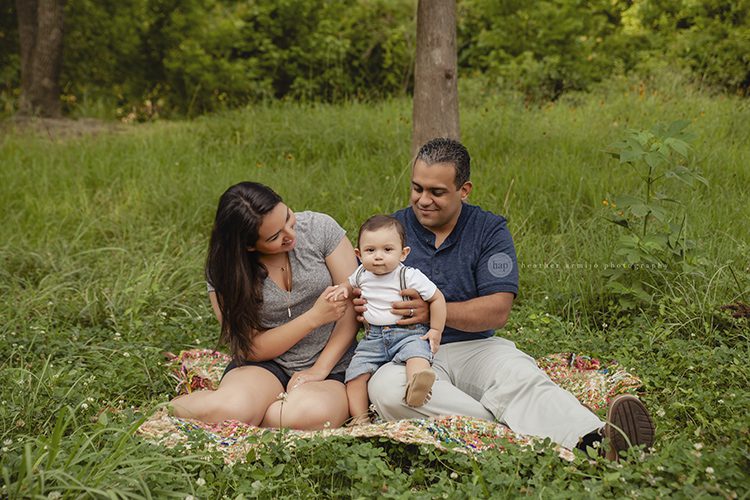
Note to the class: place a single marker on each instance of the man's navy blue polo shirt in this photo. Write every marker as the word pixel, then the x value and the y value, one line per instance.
pixel 476 259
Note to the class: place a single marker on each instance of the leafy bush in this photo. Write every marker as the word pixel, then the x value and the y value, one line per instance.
pixel 544 48
pixel 656 222
pixel 711 37
pixel 156 56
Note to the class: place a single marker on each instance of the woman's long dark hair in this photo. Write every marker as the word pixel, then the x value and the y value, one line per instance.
pixel 236 273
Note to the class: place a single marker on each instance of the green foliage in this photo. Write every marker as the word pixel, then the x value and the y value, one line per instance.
pixel 655 243
pixel 710 37
pixel 141 59
pixel 104 237
pixel 545 48
pixel 161 56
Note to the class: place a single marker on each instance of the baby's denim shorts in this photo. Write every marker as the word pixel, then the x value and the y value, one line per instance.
pixel 382 344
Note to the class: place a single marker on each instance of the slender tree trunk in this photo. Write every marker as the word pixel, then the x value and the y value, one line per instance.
pixel 40 30
pixel 26 11
pixel 435 112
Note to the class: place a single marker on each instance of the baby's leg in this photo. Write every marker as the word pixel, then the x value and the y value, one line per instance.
pixel 414 366
pixel 356 391
pixel 419 377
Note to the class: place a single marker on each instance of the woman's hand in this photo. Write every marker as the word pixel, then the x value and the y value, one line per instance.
pixel 340 292
pixel 326 311
pixel 302 377
pixel 415 310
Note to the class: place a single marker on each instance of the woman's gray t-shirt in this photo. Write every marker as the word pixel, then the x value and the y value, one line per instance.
pixel 318 235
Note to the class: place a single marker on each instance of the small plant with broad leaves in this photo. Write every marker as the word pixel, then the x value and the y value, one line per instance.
pixel 655 222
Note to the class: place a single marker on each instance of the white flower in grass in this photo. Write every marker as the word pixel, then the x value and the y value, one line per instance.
pixel 200 481
pixel 8 442
pixel 126 354
pixel 190 497
pixel 53 495
pixel 710 471
pixel 197 341
pixel 84 406
pixel 660 412
pixel 698 446
pixel 454 475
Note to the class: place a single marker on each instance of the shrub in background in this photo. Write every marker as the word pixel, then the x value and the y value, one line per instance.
pixel 545 48
pixel 655 222
pixel 710 37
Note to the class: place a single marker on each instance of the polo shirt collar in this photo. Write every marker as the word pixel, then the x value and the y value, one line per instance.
pixel 428 237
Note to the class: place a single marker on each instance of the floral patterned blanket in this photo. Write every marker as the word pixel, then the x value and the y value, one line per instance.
pixel 593 382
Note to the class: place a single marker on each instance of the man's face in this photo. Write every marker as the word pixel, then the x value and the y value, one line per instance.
pixel 434 197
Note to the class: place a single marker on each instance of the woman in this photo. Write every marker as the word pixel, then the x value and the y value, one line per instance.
pixel 269 271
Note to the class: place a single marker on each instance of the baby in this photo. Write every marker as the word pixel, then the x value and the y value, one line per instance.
pixel 381 277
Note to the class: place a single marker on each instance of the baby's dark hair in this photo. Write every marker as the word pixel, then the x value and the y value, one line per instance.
pixel 379 222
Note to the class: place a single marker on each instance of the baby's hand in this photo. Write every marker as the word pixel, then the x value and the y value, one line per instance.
pixel 339 293
pixel 434 337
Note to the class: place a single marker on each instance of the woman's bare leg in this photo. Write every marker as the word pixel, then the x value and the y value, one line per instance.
pixel 314 405
pixel 244 394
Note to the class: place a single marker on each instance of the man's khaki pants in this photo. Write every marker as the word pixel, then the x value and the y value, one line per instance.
pixel 489 379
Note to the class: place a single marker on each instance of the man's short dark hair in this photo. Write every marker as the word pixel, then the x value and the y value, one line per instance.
pixel 443 150
pixel 379 222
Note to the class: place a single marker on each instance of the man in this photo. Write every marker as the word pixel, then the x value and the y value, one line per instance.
pixel 469 254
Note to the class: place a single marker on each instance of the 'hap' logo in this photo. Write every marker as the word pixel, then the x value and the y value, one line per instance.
pixel 500 265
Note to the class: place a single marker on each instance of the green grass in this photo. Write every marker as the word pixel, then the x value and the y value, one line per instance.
pixel 102 243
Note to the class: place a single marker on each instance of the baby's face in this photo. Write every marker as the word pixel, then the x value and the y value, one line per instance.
pixel 380 251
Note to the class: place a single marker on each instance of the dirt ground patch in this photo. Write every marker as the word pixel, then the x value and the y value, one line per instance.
pixel 59 128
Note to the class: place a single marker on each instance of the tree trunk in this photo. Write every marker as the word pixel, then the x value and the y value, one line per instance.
pixel 40 30
pixel 435 112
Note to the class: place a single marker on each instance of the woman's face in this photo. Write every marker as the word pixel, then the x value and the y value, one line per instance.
pixel 276 233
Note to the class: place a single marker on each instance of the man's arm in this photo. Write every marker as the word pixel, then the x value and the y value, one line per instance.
pixel 490 312
pixel 474 315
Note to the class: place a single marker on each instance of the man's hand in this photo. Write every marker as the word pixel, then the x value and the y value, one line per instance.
pixel 434 337
pixel 415 310
pixel 360 304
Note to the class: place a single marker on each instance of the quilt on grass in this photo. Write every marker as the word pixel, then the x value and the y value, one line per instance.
pixel 593 382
